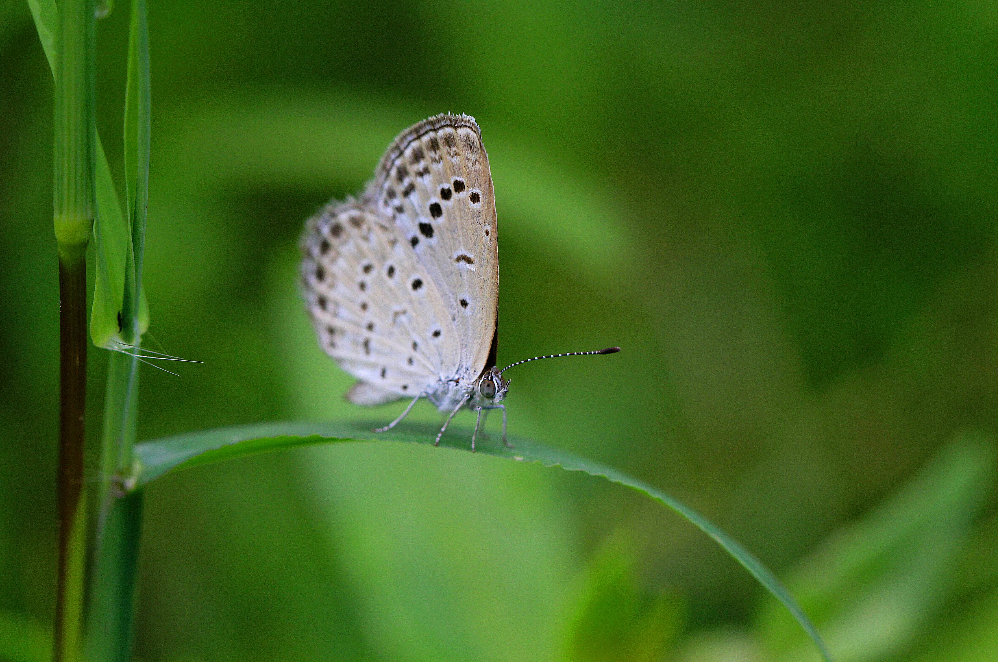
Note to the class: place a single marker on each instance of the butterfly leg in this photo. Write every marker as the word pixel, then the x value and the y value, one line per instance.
pixel 504 423
pixel 400 417
pixel 449 420
pixel 473 444
pixel 504 426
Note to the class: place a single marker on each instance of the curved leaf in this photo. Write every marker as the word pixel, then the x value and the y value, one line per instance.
pixel 156 458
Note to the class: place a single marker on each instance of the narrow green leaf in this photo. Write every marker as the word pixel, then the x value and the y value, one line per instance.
pixel 137 168
pixel 130 134
pixel 112 250
pixel 156 458
pixel 46 23
pixel 111 245
pixel 114 243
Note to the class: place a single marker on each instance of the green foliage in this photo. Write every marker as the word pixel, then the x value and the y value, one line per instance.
pixel 787 216
pixel 875 585
pixel 112 237
pixel 23 640
pixel 614 620
pixel 97 558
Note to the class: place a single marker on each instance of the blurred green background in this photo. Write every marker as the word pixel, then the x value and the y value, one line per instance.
pixel 785 213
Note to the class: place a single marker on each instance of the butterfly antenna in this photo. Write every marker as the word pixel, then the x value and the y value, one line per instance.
pixel 147 356
pixel 607 350
pixel 144 353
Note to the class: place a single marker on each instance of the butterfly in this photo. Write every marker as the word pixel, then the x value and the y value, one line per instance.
pixel 401 282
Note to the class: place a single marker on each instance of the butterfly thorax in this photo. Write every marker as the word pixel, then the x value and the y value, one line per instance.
pixel 487 390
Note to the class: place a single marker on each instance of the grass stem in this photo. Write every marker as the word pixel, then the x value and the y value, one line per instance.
pixel 73 217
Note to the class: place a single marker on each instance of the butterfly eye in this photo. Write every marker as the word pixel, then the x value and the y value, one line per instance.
pixel 488 389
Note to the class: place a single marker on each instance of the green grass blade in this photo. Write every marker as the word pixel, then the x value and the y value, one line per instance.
pixel 113 574
pixel 46 23
pixel 130 135
pixel 137 167
pixel 156 458
pixel 130 159
pixel 111 245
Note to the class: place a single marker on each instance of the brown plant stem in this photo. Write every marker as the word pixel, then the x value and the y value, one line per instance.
pixel 72 390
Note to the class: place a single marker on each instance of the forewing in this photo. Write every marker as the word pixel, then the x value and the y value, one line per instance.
pixel 434 184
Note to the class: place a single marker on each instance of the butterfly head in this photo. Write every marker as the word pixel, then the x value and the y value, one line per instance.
pixel 492 387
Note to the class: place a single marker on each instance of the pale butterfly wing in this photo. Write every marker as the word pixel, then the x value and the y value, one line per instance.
pixel 360 313
pixel 435 183
pixel 402 284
